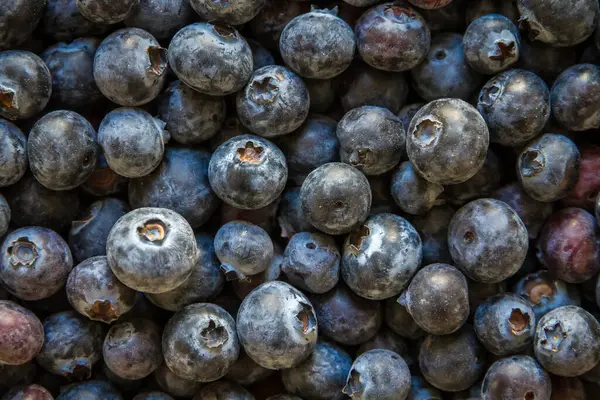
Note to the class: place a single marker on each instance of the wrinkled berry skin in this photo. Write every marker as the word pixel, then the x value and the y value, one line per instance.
pixel 400 321
pixel 516 377
pixel 35 263
pixel 72 345
pixel 433 229
pixel 381 256
pixel 447 141
pixel 568 245
pixel 567 341
pixel 21 334
pixel 104 181
pixel 445 71
pixel 106 11
pixel 322 375
pixel 130 67
pixel 588 185
pixel 18 19
pixel 575 97
pixel 246 372
pixel 159 246
pixel 277 325
pixel 62 150
pixel 452 362
pixel 191 117
pixel 132 141
pixel 223 390
pixel 372 139
pixel 505 324
pixel 312 262
pixel 378 374
pixel 336 198
pixel 290 216
pixel 247 172
pixel 29 392
pixel 437 299
pixel 275 102
pixel 132 349
pixel 557 23
pixel 392 37
pixel 90 390
pixel 412 193
pixel 487 240
pixel 63 22
pixel 180 183
pixel 72 68
pixel 13 153
pixel 492 44
pixel 204 283
pixel 345 317
pixel 172 14
pixel 231 12
pixel 96 293
pixel 25 84
pixel 515 105
pixel 173 384
pixel 211 58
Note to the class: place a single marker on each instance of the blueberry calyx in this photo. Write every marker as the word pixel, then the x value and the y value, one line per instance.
pixel 22 252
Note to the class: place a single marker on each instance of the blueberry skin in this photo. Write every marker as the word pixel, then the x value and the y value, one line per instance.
pixel 322 93
pixel 450 18
pixel 277 325
pixel 345 317
pixel 388 340
pixel 516 377
pixel 18 20
pixel 180 183
pixel 407 113
pixel 72 345
pixel 312 262
pixel 155 395
pixel 104 181
pixel 162 19
pixel 4 215
pixel 261 57
pixel 568 388
pixel 398 319
pixel 559 24
pixel 63 22
pixel 433 229
pixel 35 263
pixel 548 167
pixel 173 384
pixel 130 67
pixel 452 362
pixel 318 44
pixel 21 334
pixel 90 390
pixel 191 117
pixel 546 61
pixel 212 59
pixel 233 13
pixel 378 374
pixel 268 24
pixel 412 193
pixel 225 390
pixel 204 283
pixel 392 37
pixel 588 185
pixel 160 247
pixel 290 216
pixel 437 299
pixel 247 172
pixel 106 11
pixel 372 139
pixel 35 392
pixel 430 4
pixel 421 390
pixel 381 257
pixel 445 71
pixel 25 84
pixel 575 97
pixel 246 372
pixel 273 273
pixel 447 141
pixel 62 150
pixel 13 153
pixel 336 198
pixel 567 341
pixel 132 141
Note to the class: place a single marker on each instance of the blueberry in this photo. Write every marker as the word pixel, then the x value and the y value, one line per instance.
pixel 204 283
pixel 516 377
pixel 223 390
pixel 247 172
pixel 180 183
pixel 63 21
pixel 361 3
pixel 106 11
pixel 345 317
pixel 34 392
pixel 13 153
pixel 273 18
pixel 447 141
pixel 231 12
pixel 421 390
pixel 161 18
pixel 211 58
pixel 247 372
pixel 567 341
pixel 126 385
pixel 25 84
pixel 104 181
pixel 586 189
pixel 18 20
pixel 312 262
pixel 174 384
pixel 546 61
pixel 437 299
pixel 200 342
pixel 430 4
pixel 155 395
pixel 388 340
pixel 336 198
pixel 378 374
pixel 72 345
pixel 318 44
pixel 412 193
pixel 400 321
pixel 290 216
pixel 487 240
pixel 407 113
pixel 130 67
pixel 4 216
pixel 132 141
pixel 479 8
pixel 433 229
pixel 261 57
pixel 72 68
pixel 265 217
pixel 575 97
pixel 90 390
pixel 21 334
pixel 275 102
pixel 445 71
pixel 450 18
pixel 452 362
pixel 567 388
pixel 392 37
pixel 322 375
pixel 480 292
